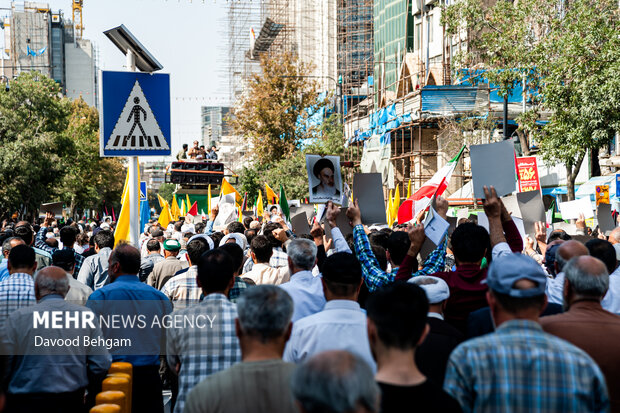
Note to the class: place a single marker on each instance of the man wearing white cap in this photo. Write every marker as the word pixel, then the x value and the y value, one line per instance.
pixel 432 355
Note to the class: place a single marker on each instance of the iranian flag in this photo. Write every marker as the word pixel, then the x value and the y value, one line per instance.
pixel 421 199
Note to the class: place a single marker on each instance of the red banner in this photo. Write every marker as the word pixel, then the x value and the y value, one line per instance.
pixel 527 171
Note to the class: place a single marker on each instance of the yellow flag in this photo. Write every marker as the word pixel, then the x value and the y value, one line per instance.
pixel 174 209
pixel 227 188
pixel 164 216
pixel 388 210
pixel 409 190
pixel 395 204
pixel 209 200
pixel 121 233
pixel 259 204
pixel 188 203
pixel 161 200
pixel 240 218
pixel 270 195
pixel 183 208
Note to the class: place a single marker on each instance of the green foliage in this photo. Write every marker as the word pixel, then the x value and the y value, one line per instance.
pixel 277 99
pixel 166 191
pixel 49 149
pixel 569 51
pixel 290 171
pixel 87 178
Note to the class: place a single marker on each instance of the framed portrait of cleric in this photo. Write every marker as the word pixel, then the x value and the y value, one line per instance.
pixel 324 179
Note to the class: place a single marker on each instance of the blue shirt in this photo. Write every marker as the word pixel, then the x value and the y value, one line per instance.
pixel 306 290
pixel 340 326
pixel 135 299
pixel 4 269
pixel 520 368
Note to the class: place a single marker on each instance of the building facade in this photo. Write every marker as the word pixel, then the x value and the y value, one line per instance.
pixel 44 41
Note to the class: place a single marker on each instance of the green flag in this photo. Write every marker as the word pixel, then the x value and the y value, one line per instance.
pixel 284 204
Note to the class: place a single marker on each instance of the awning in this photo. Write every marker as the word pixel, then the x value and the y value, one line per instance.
pixel 589 188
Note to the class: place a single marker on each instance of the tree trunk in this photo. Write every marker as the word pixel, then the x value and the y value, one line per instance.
pixel 572 170
pixel 525 147
pixel 72 207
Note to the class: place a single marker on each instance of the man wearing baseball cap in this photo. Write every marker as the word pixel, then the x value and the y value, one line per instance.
pixel 432 355
pixel 520 368
pixel 164 270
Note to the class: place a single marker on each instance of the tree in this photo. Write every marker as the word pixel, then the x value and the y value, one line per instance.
pixel 277 102
pixel 569 53
pixel 290 171
pixel 88 178
pixel 32 115
pixel 166 191
pixel 49 149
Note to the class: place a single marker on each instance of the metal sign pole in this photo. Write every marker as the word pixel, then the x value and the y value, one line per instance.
pixel 134 183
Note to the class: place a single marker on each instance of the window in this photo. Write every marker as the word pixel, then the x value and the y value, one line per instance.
pixel 418 33
pixel 429 22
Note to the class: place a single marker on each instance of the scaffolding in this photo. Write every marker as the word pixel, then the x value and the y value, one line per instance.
pixel 308 32
pixel 242 20
pixel 30 33
pixel 355 49
pixel 411 51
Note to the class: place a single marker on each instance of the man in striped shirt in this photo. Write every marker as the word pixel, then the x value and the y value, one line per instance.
pixel 182 289
pixel 17 290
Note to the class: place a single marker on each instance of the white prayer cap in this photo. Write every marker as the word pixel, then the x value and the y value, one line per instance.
pixel 188 228
pixel 105 226
pixel 240 240
pixel 205 237
pixel 436 289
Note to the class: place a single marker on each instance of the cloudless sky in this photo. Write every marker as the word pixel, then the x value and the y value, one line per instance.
pixel 189 39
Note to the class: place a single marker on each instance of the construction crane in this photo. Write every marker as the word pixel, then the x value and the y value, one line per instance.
pixel 77 18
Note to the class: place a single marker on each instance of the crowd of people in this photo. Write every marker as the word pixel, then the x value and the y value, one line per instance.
pixel 368 322
pixel 197 152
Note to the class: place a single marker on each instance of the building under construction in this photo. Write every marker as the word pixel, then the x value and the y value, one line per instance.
pixel 392 122
pixel 39 39
pixel 355 50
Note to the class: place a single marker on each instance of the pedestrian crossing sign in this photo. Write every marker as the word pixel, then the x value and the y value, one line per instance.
pixel 135 114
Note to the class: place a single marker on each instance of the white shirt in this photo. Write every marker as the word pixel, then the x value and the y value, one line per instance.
pixel 555 289
pixel 264 274
pixel 611 301
pixel 78 291
pixel 340 326
pixel 435 315
pixel 306 290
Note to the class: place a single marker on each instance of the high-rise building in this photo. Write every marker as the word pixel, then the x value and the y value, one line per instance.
pixel 308 32
pixel 30 33
pixel 153 173
pixel 38 39
pixel 355 49
pixel 81 71
pixel 214 124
